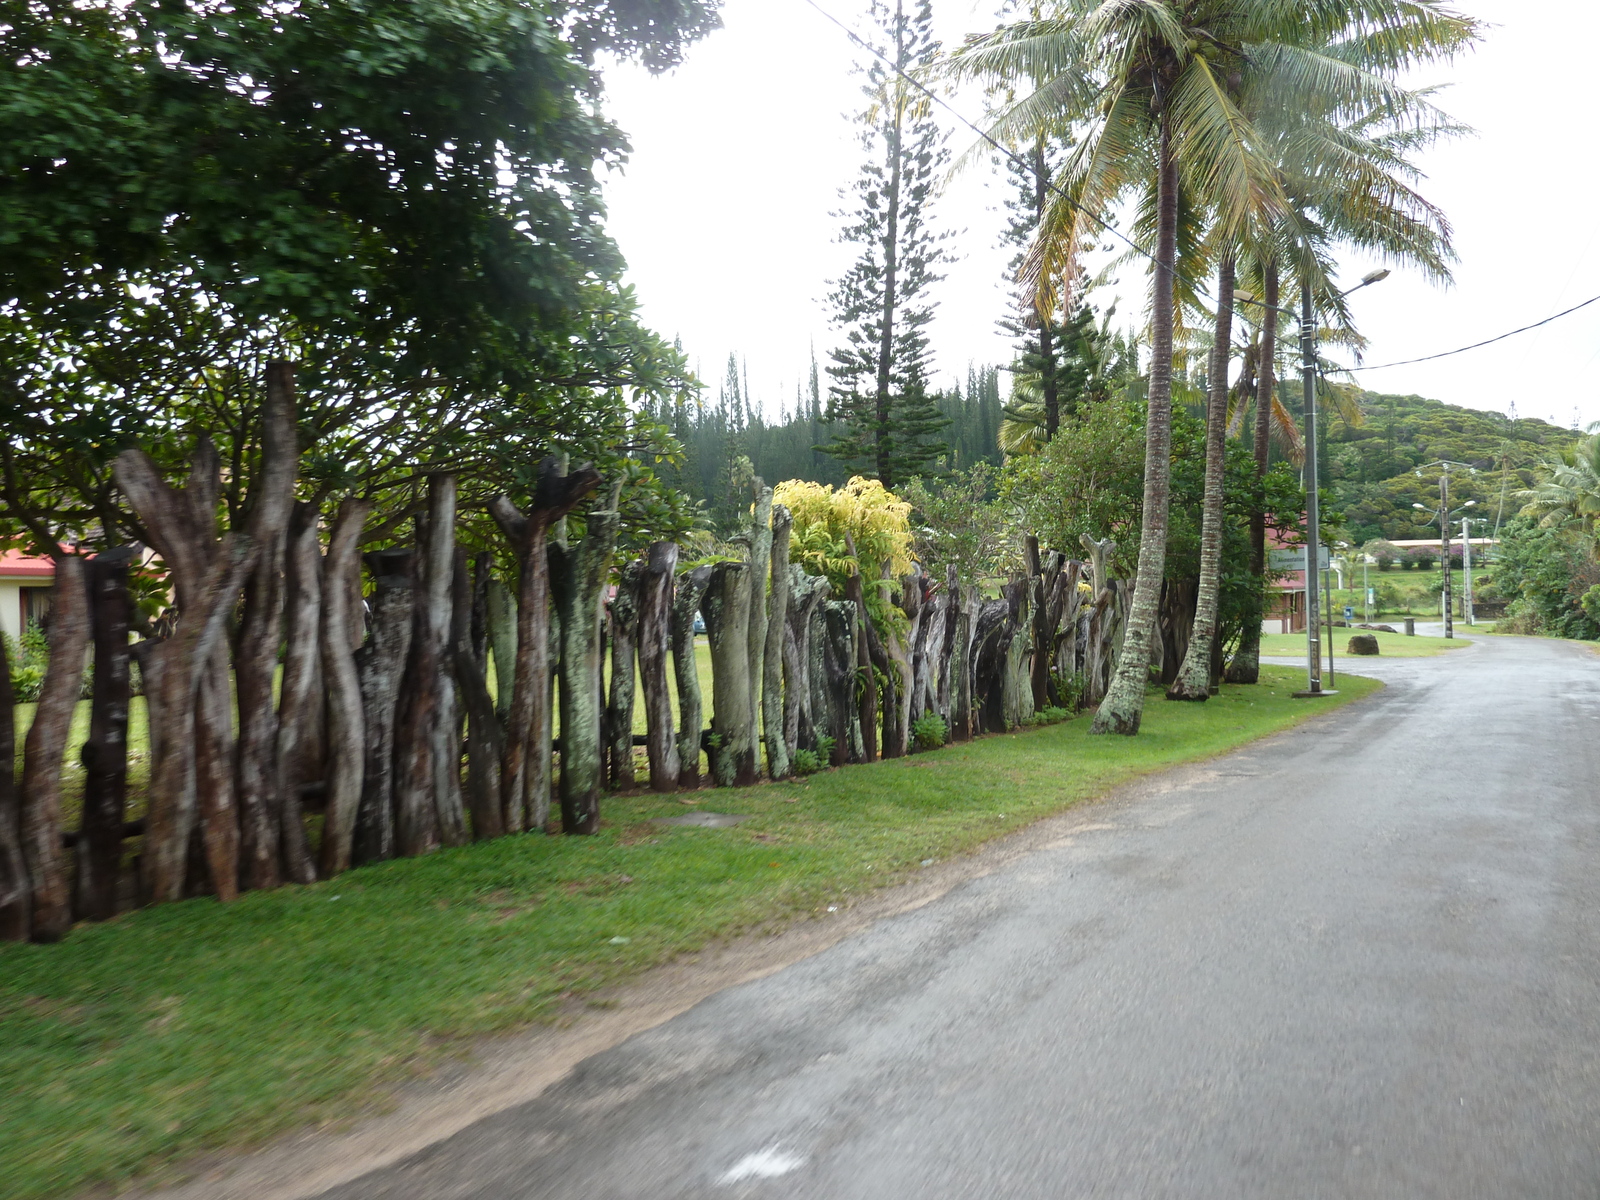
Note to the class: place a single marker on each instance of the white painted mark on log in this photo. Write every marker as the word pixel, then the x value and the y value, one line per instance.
pixel 764 1164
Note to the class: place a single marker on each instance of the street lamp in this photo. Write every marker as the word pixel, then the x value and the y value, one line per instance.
pixel 1308 379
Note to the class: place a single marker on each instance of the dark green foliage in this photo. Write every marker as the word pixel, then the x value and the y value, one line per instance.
pixel 929 731
pixel 1548 574
pixel 1370 469
pixel 1090 479
pixel 886 418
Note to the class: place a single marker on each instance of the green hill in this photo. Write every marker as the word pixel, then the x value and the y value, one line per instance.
pixel 1372 469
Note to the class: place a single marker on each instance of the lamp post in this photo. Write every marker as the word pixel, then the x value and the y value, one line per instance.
pixel 1308 380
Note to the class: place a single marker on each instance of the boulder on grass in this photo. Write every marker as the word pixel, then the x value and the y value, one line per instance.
pixel 1380 628
pixel 1362 643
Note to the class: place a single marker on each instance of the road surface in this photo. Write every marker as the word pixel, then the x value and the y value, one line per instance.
pixel 1358 960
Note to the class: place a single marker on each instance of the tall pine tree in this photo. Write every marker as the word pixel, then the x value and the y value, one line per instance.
pixel 879 391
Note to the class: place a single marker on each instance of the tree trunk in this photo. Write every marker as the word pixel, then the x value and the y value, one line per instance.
pixel 896 666
pixel 214 765
pixel 105 754
pixel 776 626
pixel 16 889
pixel 1194 676
pixel 346 722
pixel 298 710
pixel 445 733
pixel 1246 664
pixel 424 812
pixel 655 634
pixel 261 633
pixel 963 715
pixel 484 742
pixel 760 568
pixel 727 612
pixel 580 590
pixel 1123 707
pixel 525 763
pixel 801 719
pixel 46 746
pixel 379 666
pixel 686 601
pixel 501 617
pixel 947 649
pixel 841 660
pixel 624 642
pixel 865 640
pixel 206 575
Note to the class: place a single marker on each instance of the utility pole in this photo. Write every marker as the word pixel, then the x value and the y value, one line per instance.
pixel 1444 545
pixel 1308 374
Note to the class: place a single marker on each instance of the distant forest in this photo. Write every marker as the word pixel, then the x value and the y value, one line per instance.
pixel 731 438
pixel 1371 468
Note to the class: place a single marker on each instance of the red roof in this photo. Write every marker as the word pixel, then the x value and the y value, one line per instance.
pixel 14 563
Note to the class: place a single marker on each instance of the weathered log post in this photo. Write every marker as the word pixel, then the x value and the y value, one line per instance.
pixel 841 664
pixel 501 617
pixel 346 722
pixel 299 708
pixel 868 652
pixel 421 812
pixel 206 575
pixel 801 715
pixel 525 764
pixel 624 647
pixel 16 889
pixel 484 744
pixel 942 650
pixel 46 745
pixel 963 706
pixel 897 648
pixel 105 753
pixel 655 635
pixel 925 649
pixel 580 591
pixel 991 641
pixel 380 665
pixel 1016 693
pixel 686 602
pixel 760 567
pixel 1044 613
pixel 777 625
pixel 727 612
pixel 255 664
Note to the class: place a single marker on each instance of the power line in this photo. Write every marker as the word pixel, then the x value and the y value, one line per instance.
pixel 1487 342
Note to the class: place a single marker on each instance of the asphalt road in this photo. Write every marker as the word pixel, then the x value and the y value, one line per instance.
pixel 1358 960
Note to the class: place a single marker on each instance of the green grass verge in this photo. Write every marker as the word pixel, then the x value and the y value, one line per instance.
pixel 176 1029
pixel 1390 645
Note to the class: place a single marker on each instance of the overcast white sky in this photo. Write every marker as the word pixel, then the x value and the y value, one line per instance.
pixel 724 210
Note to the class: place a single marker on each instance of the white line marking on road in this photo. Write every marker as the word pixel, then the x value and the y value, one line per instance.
pixel 764 1164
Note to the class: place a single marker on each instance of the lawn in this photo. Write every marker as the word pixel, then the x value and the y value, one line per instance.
pixel 168 1031
pixel 1390 645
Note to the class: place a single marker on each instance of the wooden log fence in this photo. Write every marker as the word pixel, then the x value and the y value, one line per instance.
pixel 414 707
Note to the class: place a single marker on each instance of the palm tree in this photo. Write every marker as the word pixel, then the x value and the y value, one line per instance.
pixel 1567 494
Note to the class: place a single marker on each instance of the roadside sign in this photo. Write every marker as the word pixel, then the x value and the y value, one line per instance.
pixel 1349 612
pixel 1295 559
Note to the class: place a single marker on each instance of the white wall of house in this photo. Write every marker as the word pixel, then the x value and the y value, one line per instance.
pixel 11 601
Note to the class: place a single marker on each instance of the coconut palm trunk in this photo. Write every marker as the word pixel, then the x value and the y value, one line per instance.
pixel 1123 706
pixel 1246 664
pixel 1194 676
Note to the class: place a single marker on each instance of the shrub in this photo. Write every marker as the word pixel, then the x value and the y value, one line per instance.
pixel 1050 714
pixel 809 762
pixel 1422 558
pixel 1070 687
pixel 929 731
pixel 805 762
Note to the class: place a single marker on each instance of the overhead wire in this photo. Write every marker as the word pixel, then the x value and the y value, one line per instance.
pixel 1475 345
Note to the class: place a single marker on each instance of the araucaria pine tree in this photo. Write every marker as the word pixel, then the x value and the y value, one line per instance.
pixel 879 390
